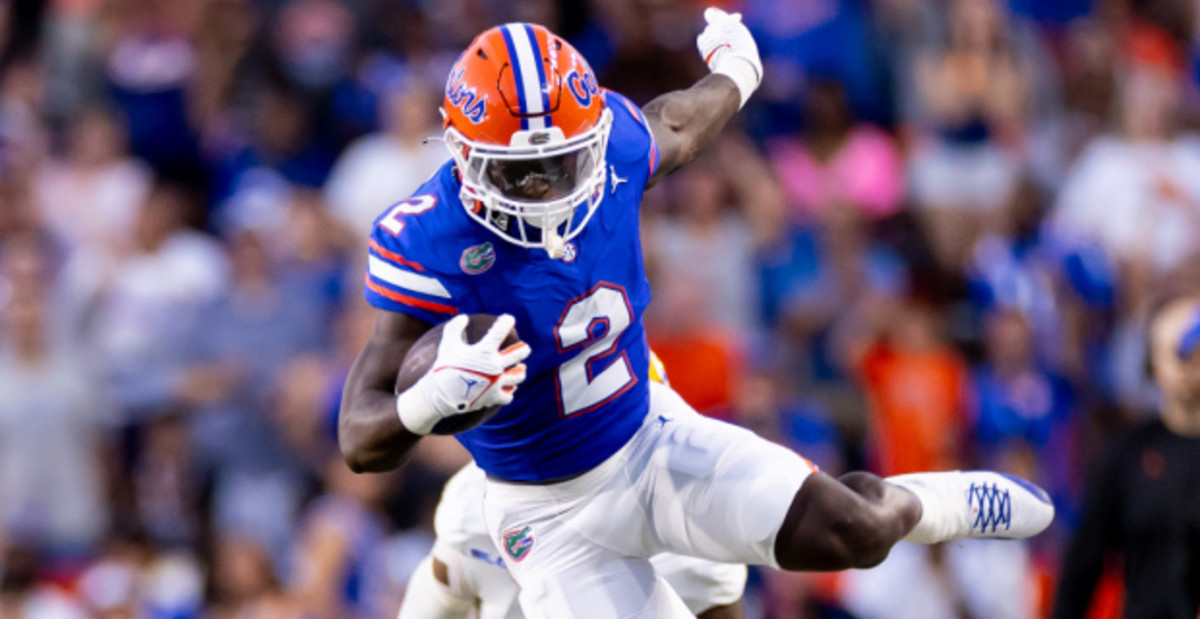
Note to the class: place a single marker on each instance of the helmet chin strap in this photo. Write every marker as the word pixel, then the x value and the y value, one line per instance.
pixel 554 243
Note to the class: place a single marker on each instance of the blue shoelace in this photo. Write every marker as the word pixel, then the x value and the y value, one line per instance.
pixel 993 507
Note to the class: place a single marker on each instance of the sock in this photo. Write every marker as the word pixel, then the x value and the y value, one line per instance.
pixel 943 506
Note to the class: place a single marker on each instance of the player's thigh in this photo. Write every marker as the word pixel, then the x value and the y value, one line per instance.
pixel 612 587
pixel 700 583
pixel 716 490
pixel 561 544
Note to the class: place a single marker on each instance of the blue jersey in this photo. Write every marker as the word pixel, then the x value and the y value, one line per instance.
pixel 587 388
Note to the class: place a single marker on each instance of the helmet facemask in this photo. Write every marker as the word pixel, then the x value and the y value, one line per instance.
pixel 539 191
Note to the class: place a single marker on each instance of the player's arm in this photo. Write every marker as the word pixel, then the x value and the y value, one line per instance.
pixel 377 429
pixel 370 433
pixel 686 122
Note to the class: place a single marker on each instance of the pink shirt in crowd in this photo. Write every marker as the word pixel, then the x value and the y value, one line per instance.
pixel 866 173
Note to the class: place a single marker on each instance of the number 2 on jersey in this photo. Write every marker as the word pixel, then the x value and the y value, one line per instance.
pixel 415 205
pixel 592 324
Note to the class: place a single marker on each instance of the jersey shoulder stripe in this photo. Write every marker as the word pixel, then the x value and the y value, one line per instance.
pixel 405 300
pixel 394 257
pixel 407 270
pixel 386 272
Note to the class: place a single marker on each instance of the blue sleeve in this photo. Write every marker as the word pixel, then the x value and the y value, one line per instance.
pixel 404 274
pixel 631 144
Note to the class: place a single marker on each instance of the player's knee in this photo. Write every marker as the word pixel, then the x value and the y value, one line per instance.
pixel 838 524
pixel 863 538
pixel 865 484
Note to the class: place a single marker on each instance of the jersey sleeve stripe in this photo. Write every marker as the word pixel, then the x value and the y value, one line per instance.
pixel 641 118
pixel 653 153
pixel 393 256
pixel 389 274
pixel 440 308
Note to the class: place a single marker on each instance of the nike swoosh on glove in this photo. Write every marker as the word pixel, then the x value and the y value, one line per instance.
pixel 440 393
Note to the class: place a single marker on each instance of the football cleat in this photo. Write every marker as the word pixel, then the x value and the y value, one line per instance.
pixel 976 504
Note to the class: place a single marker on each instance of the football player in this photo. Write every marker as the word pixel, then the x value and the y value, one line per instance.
pixel 535 219
pixel 464 570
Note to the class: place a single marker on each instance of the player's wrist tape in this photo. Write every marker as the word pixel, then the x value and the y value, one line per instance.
pixel 745 73
pixel 416 409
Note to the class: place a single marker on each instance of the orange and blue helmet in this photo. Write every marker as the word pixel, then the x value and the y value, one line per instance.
pixel 528 127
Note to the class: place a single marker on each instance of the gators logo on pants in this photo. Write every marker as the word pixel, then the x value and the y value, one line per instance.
pixel 517 543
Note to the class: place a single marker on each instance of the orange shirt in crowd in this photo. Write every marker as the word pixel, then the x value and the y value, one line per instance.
pixel 917 401
pixel 702 367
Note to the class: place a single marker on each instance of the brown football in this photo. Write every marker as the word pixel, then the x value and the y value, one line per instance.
pixel 420 359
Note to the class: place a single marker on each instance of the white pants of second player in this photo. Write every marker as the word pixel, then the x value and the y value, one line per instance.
pixel 685 484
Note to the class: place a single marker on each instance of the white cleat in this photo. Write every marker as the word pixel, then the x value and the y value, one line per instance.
pixel 1005 506
pixel 976 504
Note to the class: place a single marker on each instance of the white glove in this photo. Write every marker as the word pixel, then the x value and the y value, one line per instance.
pixel 464 377
pixel 727 48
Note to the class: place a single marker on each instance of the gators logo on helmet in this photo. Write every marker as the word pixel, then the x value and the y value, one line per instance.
pixel 528 127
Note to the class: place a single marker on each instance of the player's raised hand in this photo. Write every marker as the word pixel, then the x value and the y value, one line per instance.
pixel 728 48
pixel 465 377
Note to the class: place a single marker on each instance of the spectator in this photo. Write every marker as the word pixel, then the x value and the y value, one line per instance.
pixel 716 201
pixel 52 421
pixel 315 42
pixel 1017 266
pixel 763 404
pixel 384 168
pixel 704 357
pixel 23 134
pixel 23 595
pixel 242 584
pixel 150 70
pixel 253 330
pixel 145 304
pixel 134 579
pixel 975 95
pixel 916 384
pixel 1140 505
pixel 167 485
pixel 823 37
pixel 1134 191
pixel 336 562
pixel 1023 419
pixel 257 164
pixel 90 198
pixel 822 282
pixel 837 163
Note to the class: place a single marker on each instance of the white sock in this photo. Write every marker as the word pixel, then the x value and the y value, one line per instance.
pixel 943 506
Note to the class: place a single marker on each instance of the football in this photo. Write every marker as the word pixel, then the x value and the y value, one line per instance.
pixel 420 359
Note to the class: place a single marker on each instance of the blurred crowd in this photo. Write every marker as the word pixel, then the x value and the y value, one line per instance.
pixel 930 242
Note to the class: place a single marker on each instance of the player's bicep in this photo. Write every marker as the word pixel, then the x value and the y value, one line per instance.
pixel 685 122
pixel 670 146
